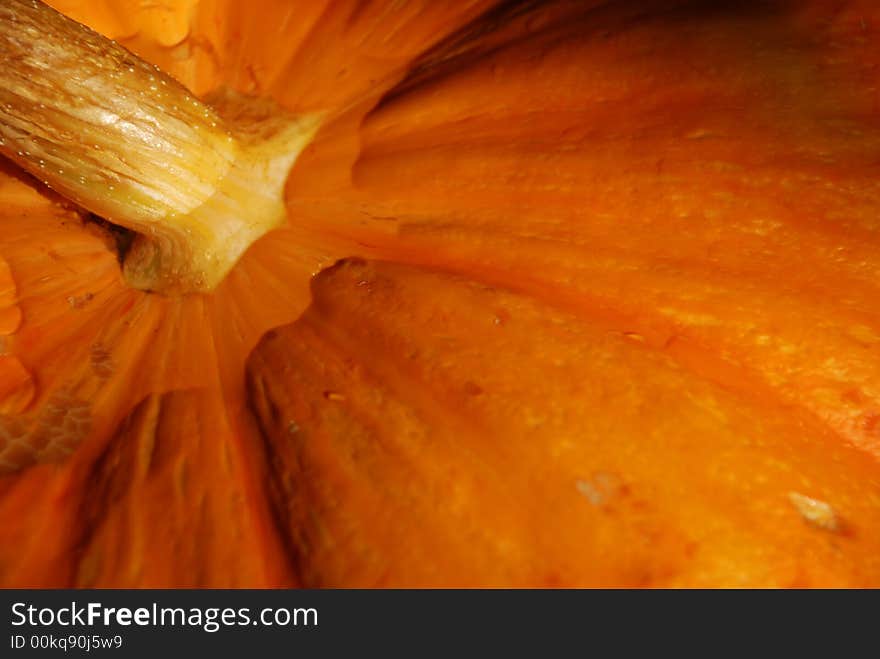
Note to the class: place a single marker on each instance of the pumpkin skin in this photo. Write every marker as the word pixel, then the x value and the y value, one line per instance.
pixel 631 336
pixel 508 443
pixel 89 354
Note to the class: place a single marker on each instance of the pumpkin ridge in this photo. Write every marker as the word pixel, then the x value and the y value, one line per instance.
pixel 698 354
pixel 143 460
pixel 331 449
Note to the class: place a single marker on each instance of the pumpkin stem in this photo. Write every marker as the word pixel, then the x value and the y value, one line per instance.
pixel 130 144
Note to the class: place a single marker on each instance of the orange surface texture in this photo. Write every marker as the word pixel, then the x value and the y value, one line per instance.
pixel 608 314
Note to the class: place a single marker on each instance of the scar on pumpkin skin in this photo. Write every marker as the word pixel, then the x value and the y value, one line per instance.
pixel 49 436
pixel 600 488
pixel 79 301
pixel 101 361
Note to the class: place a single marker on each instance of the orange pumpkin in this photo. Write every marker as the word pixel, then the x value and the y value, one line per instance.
pixel 603 310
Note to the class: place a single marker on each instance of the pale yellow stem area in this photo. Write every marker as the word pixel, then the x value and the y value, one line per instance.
pixel 130 144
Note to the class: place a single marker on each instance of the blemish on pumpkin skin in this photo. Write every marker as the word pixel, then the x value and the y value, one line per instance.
pixel 334 396
pixel 472 389
pixel 600 489
pixel 101 361
pixel 815 512
pixel 79 301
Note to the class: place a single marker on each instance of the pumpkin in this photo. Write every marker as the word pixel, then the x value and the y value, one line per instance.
pixel 542 294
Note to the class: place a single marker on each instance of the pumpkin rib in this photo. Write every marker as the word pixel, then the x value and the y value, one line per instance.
pixel 700 354
pixel 144 471
pixel 383 306
pixel 375 500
